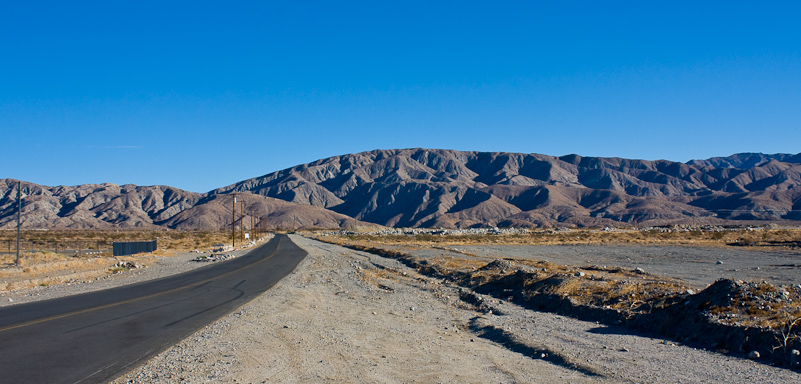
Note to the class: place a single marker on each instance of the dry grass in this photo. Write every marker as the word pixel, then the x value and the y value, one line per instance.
pixel 627 291
pixel 376 277
pixel 455 263
pixel 45 267
pixel 744 237
pixel 168 240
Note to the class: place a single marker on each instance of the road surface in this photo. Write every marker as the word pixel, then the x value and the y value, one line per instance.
pixel 94 337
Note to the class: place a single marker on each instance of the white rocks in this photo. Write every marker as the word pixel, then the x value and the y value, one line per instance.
pixel 753 355
pixel 579 274
pixel 213 258
pixel 127 265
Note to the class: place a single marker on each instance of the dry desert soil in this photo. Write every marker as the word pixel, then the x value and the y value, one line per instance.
pixel 348 316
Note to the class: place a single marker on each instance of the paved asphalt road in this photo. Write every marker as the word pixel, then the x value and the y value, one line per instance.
pixel 94 337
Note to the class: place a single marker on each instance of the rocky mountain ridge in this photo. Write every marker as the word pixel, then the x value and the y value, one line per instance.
pixel 442 188
pixel 446 188
pixel 110 206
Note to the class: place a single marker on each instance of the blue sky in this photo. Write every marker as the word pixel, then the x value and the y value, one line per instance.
pixel 199 95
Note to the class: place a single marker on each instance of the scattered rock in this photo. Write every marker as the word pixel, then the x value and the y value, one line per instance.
pixel 639 270
pixel 753 355
pixel 579 274
pixel 127 265
pixel 213 258
pixel 501 265
pixel 719 262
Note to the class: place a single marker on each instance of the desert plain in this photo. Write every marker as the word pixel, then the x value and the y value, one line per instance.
pixel 562 306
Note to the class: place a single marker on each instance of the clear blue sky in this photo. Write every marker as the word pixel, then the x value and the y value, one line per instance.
pixel 199 95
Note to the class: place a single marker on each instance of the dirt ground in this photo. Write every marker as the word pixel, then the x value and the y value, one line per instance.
pixel 694 265
pixel 350 316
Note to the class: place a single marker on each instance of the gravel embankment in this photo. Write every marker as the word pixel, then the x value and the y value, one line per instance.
pixel 348 316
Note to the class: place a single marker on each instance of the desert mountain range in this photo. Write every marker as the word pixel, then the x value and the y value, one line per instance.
pixel 441 188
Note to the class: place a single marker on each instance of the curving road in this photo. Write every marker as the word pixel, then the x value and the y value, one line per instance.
pixel 94 337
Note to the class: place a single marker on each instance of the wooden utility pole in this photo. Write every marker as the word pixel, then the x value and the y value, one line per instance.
pixel 233 224
pixel 19 214
pixel 242 222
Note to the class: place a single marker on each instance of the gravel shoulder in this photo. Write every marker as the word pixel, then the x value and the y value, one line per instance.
pixel 349 316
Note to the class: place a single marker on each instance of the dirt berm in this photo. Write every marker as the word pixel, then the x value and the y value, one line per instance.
pixel 745 319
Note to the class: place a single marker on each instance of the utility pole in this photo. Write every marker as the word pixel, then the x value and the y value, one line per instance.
pixel 242 222
pixel 19 214
pixel 233 224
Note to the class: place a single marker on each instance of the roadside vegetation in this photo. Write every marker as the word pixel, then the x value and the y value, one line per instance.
pixel 686 235
pixel 68 256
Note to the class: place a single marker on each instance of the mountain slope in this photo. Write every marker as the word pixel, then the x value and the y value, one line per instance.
pixel 442 188
pixel 424 187
pixel 215 212
pixel 98 206
pixel 107 206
